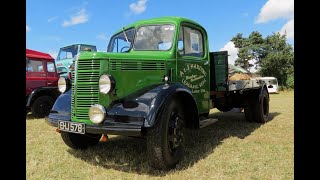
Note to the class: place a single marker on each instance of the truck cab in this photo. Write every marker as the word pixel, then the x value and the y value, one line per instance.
pixel 41 83
pixel 66 55
pixel 156 79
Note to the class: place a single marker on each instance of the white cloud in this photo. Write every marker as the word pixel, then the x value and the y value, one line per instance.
pixel 52 19
pixel 53 53
pixel 289 29
pixel 232 52
pixel 139 7
pixel 274 9
pixel 78 18
pixel 103 37
pixel 28 28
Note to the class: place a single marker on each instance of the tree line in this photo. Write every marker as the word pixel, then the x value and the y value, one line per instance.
pixel 272 56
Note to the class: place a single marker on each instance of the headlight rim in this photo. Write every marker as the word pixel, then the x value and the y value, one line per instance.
pixel 67 84
pixel 101 108
pixel 112 84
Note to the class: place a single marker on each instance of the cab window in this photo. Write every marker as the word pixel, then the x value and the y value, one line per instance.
pixel 190 42
pixel 34 66
pixel 50 67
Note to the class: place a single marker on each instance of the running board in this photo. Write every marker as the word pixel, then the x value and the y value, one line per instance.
pixel 206 122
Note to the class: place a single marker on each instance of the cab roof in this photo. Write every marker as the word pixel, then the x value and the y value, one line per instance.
pixel 167 19
pixel 76 44
pixel 38 55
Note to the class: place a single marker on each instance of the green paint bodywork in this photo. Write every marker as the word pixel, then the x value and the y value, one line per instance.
pixel 136 70
pixel 221 69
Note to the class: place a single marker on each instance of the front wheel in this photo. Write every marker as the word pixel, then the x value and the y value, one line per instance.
pixel 165 140
pixel 80 141
pixel 41 106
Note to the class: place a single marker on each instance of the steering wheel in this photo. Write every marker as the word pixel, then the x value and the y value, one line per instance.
pixel 124 48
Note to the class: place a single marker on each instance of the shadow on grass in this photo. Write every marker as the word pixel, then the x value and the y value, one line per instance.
pixel 30 116
pixel 129 154
pixel 272 115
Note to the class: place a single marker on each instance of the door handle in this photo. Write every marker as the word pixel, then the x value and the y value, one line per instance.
pixel 206 63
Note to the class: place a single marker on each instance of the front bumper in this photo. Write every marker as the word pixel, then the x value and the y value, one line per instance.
pixel 106 128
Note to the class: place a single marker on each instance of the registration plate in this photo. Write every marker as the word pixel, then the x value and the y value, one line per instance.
pixel 78 128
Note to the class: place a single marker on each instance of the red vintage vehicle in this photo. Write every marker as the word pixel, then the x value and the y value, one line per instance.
pixel 41 83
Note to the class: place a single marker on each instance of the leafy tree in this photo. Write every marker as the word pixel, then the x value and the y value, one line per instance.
pixel 279 60
pixel 249 48
pixel 272 55
pixel 290 81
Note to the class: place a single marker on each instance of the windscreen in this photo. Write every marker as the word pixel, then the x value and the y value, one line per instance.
pixel 154 37
pixel 122 41
pixel 68 52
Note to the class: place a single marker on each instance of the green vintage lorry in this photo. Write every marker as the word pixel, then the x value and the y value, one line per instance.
pixel 156 79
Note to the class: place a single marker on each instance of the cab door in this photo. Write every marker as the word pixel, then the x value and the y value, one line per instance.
pixel 52 76
pixel 193 64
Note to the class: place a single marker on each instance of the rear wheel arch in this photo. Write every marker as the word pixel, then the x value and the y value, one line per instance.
pixel 52 92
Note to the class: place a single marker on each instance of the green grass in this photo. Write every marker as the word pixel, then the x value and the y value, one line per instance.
pixel 229 149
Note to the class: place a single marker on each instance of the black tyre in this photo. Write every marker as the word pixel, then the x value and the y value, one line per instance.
pixel 80 141
pixel 262 108
pixel 165 140
pixel 258 111
pixel 223 108
pixel 41 106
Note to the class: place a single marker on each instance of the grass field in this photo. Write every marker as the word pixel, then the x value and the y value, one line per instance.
pixel 229 149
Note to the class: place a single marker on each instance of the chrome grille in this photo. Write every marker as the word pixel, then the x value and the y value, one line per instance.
pixel 85 88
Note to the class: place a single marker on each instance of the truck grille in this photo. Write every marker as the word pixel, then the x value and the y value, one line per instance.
pixel 85 88
pixel 135 65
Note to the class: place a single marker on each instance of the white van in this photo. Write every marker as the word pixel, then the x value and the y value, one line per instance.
pixel 272 84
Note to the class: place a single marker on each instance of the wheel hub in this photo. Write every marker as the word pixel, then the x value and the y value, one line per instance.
pixel 44 108
pixel 175 135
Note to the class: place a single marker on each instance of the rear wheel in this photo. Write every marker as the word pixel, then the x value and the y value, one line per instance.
pixel 80 141
pixel 165 140
pixel 41 106
pixel 223 108
pixel 258 110
pixel 262 108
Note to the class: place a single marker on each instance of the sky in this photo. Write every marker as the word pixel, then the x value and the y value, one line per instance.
pixel 52 24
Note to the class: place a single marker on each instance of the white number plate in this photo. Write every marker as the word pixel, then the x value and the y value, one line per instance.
pixel 78 128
